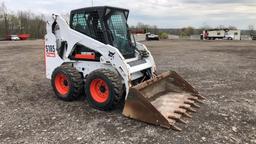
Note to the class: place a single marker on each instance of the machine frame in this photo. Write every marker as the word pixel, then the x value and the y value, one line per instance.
pixel 59 31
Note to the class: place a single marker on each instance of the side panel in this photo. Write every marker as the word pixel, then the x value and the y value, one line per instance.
pixel 52 59
pixel 86 67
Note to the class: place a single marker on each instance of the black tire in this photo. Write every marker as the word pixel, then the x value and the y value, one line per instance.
pixel 74 82
pixel 115 89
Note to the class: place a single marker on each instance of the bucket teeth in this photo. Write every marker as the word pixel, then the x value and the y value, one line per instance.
pixel 177 119
pixel 201 97
pixel 180 112
pixel 191 110
pixel 188 108
pixel 187 115
pixel 183 113
pixel 189 102
pixel 176 128
pixel 183 121
pixel 199 101
pixel 196 99
pixel 196 106
pixel 193 104
pixel 193 98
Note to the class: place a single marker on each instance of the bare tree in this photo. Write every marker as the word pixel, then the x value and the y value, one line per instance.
pixel 232 27
pixel 187 31
pixel 155 29
pixel 21 22
pixel 4 20
pixel 221 27
pixel 2 10
pixel 251 30
pixel 205 27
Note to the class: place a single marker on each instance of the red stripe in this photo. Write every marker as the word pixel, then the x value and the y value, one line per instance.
pixel 85 56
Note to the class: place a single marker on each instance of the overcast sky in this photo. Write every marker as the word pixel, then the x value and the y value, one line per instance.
pixel 163 13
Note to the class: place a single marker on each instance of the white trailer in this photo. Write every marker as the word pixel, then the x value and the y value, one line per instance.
pixel 222 34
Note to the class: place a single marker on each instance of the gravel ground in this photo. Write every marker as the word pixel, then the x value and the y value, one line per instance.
pixel 222 71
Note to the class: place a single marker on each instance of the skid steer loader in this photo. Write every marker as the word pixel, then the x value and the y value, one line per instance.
pixel 96 56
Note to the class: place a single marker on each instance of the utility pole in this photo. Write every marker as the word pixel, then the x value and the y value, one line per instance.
pixel 92 2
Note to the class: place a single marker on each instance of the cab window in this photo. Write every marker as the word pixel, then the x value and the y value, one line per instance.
pixel 89 24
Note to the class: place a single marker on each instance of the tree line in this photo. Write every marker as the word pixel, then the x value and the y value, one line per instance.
pixel 186 31
pixel 21 22
pixel 27 22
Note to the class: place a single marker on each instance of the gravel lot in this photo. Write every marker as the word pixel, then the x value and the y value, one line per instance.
pixel 222 71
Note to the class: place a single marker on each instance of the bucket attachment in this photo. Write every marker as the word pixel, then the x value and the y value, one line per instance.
pixel 162 101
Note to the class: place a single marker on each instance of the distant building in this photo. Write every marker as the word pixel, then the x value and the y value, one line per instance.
pixel 214 34
pixel 137 31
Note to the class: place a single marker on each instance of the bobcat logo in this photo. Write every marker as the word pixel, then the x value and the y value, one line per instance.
pixel 111 54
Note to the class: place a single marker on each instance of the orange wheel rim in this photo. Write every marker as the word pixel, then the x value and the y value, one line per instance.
pixel 99 90
pixel 61 84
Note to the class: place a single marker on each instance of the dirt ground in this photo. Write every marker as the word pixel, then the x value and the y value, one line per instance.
pixel 223 71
